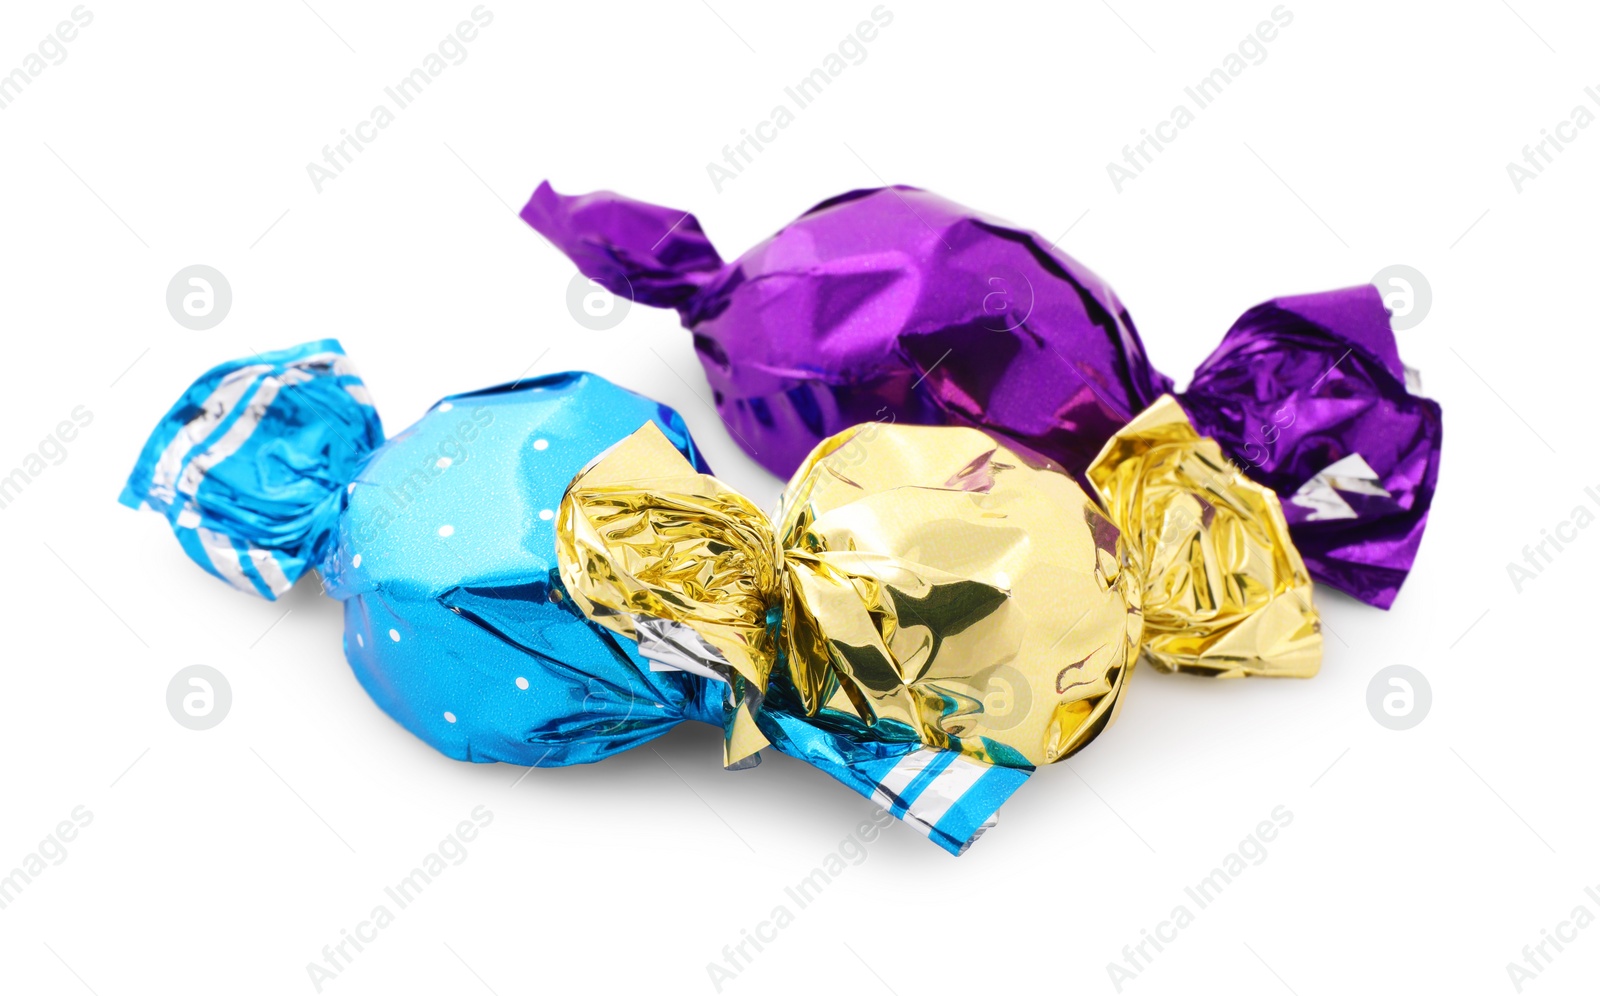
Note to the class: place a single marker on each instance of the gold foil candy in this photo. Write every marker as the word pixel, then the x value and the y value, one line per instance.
pixel 1225 591
pixel 932 580
pixel 936 579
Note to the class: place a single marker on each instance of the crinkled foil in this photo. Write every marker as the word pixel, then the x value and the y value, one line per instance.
pixel 641 534
pixel 934 578
pixel 931 579
pixel 896 304
pixel 1225 591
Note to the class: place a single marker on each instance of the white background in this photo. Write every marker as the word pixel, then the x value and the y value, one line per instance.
pixel 223 861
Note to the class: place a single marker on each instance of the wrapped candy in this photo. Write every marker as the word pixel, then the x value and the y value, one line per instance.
pixel 895 304
pixel 928 608
pixel 440 543
pixel 544 573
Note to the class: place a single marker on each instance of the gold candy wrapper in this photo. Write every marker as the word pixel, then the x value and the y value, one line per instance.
pixel 929 576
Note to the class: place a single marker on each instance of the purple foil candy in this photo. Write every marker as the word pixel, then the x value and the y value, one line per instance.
pixel 894 304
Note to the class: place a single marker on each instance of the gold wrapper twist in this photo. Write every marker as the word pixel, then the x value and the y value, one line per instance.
pixel 930 580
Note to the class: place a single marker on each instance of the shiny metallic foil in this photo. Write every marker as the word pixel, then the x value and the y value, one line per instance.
pixel 1225 591
pixel 930 579
pixel 895 304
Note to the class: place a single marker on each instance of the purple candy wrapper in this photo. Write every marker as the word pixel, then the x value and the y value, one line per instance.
pixel 894 304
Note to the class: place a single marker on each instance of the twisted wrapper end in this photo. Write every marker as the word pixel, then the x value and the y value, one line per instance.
pixel 1226 593
pixel 676 560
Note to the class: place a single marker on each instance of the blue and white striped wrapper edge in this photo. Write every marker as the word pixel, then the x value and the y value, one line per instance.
pixel 203 467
